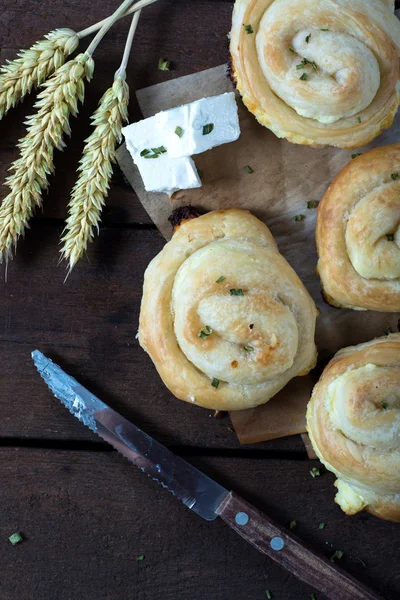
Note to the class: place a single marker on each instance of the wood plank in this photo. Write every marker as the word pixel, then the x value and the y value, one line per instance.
pixel 89 325
pixel 87 516
pixel 180 30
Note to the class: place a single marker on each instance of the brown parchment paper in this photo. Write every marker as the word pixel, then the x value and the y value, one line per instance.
pixel 285 177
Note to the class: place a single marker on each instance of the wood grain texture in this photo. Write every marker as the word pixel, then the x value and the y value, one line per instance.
pixel 89 326
pixel 87 516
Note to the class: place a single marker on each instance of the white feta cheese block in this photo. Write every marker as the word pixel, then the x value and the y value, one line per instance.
pixel 167 175
pixel 201 125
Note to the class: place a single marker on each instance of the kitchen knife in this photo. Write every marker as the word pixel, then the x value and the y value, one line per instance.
pixel 197 491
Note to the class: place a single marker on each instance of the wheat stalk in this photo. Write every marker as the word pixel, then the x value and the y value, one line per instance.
pixel 95 170
pixel 34 66
pixel 95 167
pixel 45 130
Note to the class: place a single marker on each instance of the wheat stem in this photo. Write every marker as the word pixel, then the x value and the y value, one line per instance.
pixel 33 66
pixel 45 131
pixel 107 25
pixel 137 6
pixel 95 167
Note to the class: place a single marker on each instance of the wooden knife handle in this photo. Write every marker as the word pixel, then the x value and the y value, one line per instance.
pixel 289 552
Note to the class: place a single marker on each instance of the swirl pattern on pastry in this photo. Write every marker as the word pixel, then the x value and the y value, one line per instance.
pixel 358 233
pixel 224 317
pixel 318 72
pixel 353 420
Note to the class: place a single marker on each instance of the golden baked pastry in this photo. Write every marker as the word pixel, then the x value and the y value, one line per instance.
pixel 358 233
pixel 353 420
pixel 318 72
pixel 225 319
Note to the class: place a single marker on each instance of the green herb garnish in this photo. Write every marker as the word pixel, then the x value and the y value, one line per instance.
pixel 140 558
pixel 178 131
pixel 249 348
pixel 205 332
pixel 220 279
pixel 385 405
pixel 388 330
pixel 163 65
pixel 304 77
pixel 313 596
pixel 145 152
pixel 292 50
pixel 315 472
pixel 356 154
pixel 208 128
pixel 321 526
pixel 359 119
pixel 248 28
pixel 314 66
pixel 248 170
pixel 300 66
pixel 308 38
pixel 215 382
pixel 156 152
pixel 390 237
pixel 324 29
pixel 299 218
pixel 238 292
pixel 268 594
pixel 292 525
pixel 312 203
pixel 15 538
pixel 337 555
pixel 395 176
pixel 159 150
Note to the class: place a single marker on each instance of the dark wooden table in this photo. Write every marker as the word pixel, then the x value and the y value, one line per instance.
pixel 85 512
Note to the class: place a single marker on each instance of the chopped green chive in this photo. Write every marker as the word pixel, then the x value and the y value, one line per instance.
pixel 215 382
pixel 220 279
pixel 356 154
pixel 304 77
pixel 388 330
pixel 140 558
pixel 314 66
pixel 313 596
pixel 268 594
pixel 299 218
pixel 163 65
pixel 312 203
pixel 300 66
pixel 324 29
pixel 395 176
pixel 159 150
pixel 321 526
pixel 156 152
pixel 15 538
pixel 208 128
pixel 292 50
pixel 359 119
pixel 145 152
pixel 385 405
pixel 390 237
pixel 315 472
pixel 205 332
pixel 179 131
pixel 337 555
pixel 248 170
pixel 238 292
pixel 292 525
pixel 248 28
pixel 249 348
pixel 308 38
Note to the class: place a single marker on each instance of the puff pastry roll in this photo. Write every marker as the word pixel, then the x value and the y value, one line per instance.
pixel 353 420
pixel 225 319
pixel 318 72
pixel 358 233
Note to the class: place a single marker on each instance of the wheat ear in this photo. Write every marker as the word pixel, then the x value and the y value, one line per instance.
pixel 45 130
pixel 34 66
pixel 95 167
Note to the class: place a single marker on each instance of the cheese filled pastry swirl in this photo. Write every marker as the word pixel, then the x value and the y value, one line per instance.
pixel 224 317
pixel 358 233
pixel 353 420
pixel 318 72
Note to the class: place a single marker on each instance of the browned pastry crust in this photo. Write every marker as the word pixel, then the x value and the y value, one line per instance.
pixel 358 233
pixel 353 420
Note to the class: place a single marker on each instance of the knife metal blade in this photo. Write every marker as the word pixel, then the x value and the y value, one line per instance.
pixel 197 491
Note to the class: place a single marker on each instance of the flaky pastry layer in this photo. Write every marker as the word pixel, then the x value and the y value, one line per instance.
pixel 225 319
